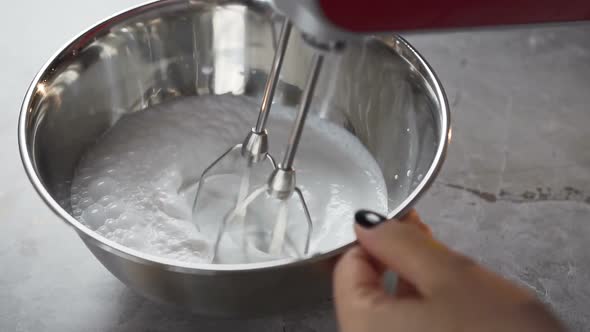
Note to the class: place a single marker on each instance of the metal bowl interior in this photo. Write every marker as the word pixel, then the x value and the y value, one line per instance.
pixel 380 90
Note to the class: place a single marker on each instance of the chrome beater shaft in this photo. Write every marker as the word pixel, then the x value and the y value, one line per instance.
pixel 255 146
pixel 281 184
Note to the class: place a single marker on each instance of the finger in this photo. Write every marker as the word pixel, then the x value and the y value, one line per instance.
pixel 405 290
pixel 406 315
pixel 361 302
pixel 357 281
pixel 405 249
pixel 413 218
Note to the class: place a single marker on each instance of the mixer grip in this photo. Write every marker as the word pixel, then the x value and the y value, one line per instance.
pixel 389 15
pixel 342 19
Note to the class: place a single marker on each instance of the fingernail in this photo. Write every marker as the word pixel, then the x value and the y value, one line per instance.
pixel 368 219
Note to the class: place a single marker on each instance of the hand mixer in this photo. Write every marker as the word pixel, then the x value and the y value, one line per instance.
pixel 325 24
pixel 281 185
pixel 254 148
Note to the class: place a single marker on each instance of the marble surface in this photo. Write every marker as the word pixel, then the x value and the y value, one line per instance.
pixel 514 192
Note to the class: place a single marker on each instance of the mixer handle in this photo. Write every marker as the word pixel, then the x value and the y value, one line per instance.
pixel 341 19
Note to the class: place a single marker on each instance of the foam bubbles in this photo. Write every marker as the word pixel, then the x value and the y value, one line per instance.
pixel 106 200
pixel 126 187
pixel 129 219
pixel 85 202
pixel 114 209
pixel 101 187
pixel 94 216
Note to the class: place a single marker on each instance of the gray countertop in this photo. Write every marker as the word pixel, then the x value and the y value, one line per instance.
pixel 514 192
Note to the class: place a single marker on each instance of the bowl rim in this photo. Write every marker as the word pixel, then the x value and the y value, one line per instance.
pixel 89 236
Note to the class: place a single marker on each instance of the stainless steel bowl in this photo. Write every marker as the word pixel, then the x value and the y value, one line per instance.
pixel 381 90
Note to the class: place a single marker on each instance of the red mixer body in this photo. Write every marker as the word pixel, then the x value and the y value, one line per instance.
pixel 368 16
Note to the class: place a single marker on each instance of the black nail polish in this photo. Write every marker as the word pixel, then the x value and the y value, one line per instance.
pixel 368 219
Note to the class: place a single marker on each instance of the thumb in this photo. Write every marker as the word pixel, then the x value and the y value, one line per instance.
pixel 409 251
pixel 356 277
pixel 359 295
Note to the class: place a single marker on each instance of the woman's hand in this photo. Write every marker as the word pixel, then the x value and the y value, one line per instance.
pixel 439 290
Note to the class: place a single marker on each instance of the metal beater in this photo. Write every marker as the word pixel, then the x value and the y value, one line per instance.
pixel 254 148
pixel 281 185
